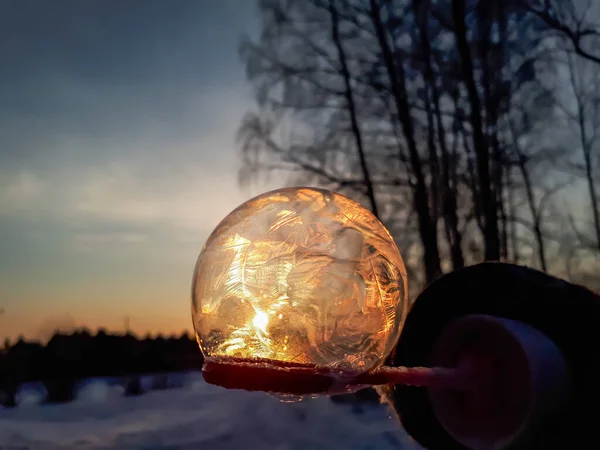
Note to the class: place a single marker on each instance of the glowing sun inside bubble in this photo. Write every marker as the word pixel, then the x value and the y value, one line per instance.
pixel 260 321
pixel 300 275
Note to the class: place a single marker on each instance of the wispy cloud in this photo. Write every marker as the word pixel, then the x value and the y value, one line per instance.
pixel 20 190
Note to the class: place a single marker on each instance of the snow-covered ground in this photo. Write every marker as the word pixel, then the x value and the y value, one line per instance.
pixel 196 416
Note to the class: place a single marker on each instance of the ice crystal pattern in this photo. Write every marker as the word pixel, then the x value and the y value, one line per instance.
pixel 300 275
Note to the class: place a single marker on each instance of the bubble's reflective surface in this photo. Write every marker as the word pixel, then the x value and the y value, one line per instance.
pixel 300 275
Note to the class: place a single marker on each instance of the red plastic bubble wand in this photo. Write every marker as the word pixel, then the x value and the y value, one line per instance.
pixel 305 379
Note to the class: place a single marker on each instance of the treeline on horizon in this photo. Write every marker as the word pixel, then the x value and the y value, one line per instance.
pixel 471 128
pixel 68 358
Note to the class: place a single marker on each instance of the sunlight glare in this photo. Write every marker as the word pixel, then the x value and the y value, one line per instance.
pixel 260 321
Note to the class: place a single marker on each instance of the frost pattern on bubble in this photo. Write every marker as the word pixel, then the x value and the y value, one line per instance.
pixel 301 275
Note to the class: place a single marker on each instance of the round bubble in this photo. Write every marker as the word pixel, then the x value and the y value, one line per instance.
pixel 300 275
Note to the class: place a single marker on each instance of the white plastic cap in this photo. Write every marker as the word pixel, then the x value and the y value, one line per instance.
pixel 521 377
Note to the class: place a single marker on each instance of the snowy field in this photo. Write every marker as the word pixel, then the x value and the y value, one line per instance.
pixel 195 416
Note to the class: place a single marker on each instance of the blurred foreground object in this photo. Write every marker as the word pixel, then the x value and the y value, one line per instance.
pixel 536 303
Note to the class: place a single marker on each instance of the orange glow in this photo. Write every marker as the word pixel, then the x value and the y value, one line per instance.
pixel 300 275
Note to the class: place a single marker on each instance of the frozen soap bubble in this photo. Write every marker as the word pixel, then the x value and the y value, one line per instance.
pixel 303 276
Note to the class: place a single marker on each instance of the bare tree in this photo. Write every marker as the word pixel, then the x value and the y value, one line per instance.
pixel 522 162
pixel 396 78
pixel 586 92
pixel 301 72
pixel 480 144
pixel 349 95
pixel 442 115
pixel 571 19
pixel 436 128
pixel 576 95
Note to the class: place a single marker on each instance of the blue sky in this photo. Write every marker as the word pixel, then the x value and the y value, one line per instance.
pixel 117 156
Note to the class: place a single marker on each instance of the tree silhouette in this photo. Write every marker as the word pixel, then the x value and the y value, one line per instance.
pixel 442 115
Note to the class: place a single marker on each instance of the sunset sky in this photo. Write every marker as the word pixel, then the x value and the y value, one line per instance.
pixel 117 156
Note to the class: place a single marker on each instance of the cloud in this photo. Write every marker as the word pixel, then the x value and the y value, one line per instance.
pixel 23 188
pixel 93 240
pixel 119 202
pixel 162 175
pixel 118 193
